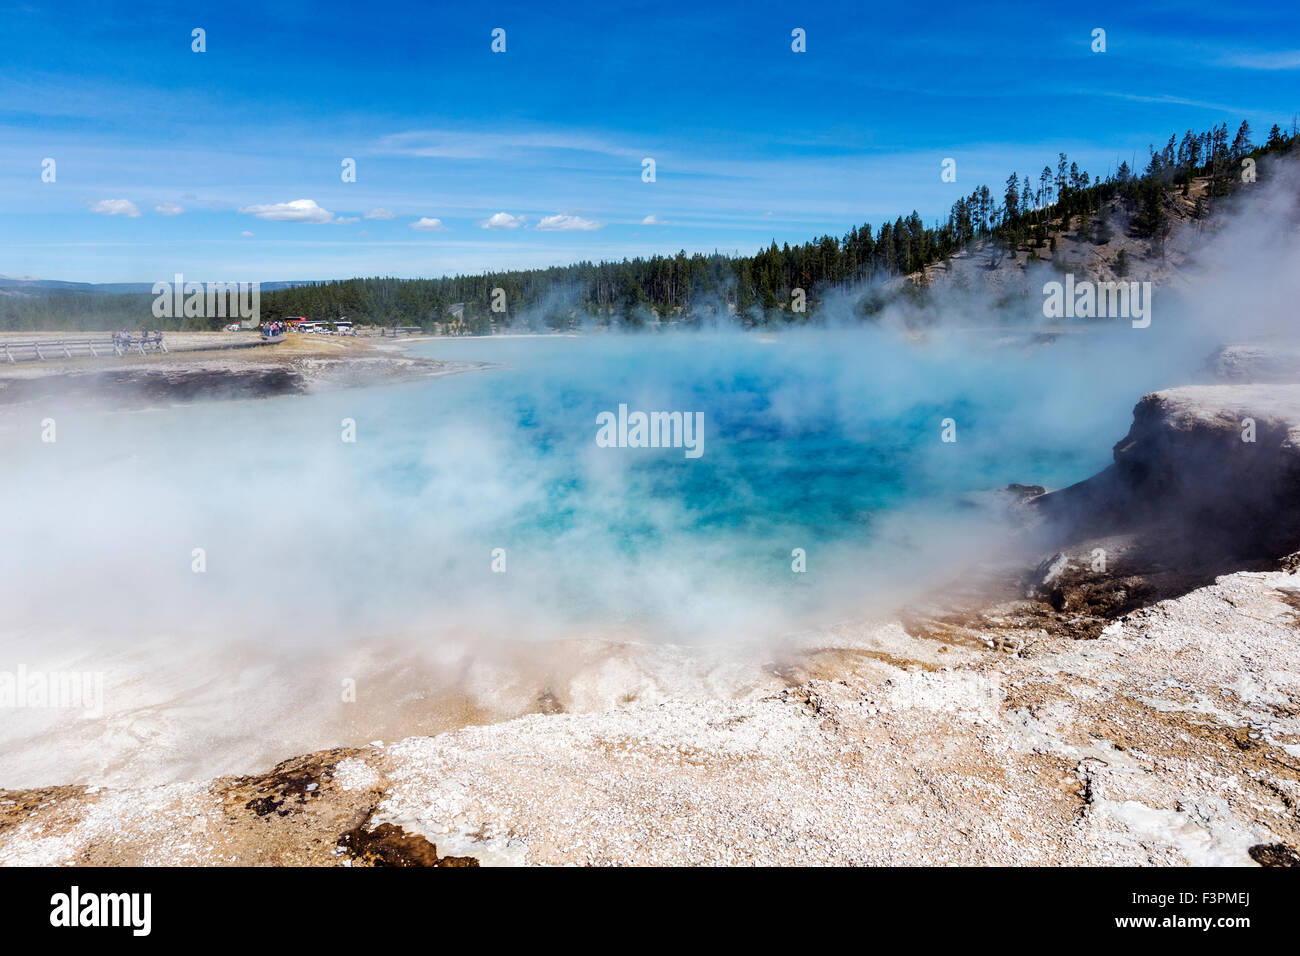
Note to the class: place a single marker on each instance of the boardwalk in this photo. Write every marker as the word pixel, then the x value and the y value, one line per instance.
pixel 40 350
pixel 47 348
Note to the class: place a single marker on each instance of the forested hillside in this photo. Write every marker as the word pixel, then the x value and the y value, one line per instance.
pixel 1024 214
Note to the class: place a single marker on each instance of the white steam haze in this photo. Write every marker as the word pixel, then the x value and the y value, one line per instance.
pixel 630 572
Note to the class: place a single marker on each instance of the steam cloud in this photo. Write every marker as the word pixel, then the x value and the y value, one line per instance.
pixel 328 560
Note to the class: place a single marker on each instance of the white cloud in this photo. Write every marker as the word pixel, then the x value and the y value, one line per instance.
pixel 300 210
pixel 116 207
pixel 346 220
pixel 427 224
pixel 168 209
pixel 381 213
pixel 502 220
pixel 245 233
pixel 561 223
pixel 653 221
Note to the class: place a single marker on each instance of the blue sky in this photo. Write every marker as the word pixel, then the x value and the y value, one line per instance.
pixel 172 161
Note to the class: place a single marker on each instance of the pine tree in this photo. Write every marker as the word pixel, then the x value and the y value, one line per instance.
pixel 1241 143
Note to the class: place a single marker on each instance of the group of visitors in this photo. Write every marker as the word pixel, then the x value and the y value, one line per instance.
pixel 123 340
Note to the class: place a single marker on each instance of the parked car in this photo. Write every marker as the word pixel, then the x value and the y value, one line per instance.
pixel 234 327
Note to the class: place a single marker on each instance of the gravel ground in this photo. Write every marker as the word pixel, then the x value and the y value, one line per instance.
pixel 1172 738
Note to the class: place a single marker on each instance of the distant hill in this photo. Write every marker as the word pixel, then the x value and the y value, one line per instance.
pixel 33 287
pixel 26 286
pixel 1104 243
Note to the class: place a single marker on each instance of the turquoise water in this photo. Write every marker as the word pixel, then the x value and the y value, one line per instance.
pixel 828 442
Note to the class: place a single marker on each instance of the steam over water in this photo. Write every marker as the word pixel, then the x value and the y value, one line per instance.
pixel 318 550
pixel 817 441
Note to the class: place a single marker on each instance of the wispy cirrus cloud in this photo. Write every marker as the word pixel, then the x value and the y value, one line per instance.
pixel 1166 99
pixel 1267 60
pixel 381 213
pixel 116 207
pixel 461 144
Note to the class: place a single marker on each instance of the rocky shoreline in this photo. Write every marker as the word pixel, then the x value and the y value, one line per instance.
pixel 1131 699
pixel 213 374
pixel 1172 737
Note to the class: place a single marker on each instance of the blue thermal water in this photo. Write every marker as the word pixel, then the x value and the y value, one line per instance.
pixel 829 442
